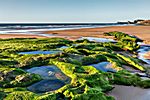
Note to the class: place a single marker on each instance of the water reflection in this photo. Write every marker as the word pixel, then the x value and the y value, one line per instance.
pixel 95 39
pixel 53 79
pixel 40 52
pixel 104 66
pixel 141 53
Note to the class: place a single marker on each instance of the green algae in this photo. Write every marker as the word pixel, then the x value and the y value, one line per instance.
pixel 13 77
pixel 132 62
pixel 125 41
pixel 82 77
pixel 87 83
pixel 21 95
pixel 123 36
pixel 125 78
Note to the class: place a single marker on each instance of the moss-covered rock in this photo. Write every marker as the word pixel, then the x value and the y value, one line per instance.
pixel 132 62
pixel 12 77
pixel 127 42
pixel 87 83
pixel 21 95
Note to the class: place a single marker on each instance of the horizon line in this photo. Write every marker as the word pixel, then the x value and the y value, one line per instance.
pixel 59 22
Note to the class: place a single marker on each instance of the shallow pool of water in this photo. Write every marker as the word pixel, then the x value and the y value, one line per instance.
pixel 46 86
pixel 141 53
pixel 53 79
pixel 95 39
pixel 103 66
pixel 49 72
pixel 63 47
pixel 40 52
pixel 130 93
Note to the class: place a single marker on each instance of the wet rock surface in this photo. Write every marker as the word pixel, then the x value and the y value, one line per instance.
pixel 130 69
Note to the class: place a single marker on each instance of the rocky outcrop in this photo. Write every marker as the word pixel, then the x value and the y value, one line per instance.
pixel 142 22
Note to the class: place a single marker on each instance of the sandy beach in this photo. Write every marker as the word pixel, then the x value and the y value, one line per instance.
pixel 142 32
pixel 5 36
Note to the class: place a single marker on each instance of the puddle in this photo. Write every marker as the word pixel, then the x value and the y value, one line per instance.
pixel 141 53
pixel 49 72
pixel 103 66
pixel 97 39
pixel 129 93
pixel 46 85
pixel 40 52
pixel 53 79
pixel 27 32
pixel 64 47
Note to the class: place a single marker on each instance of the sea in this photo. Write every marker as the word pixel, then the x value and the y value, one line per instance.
pixel 38 28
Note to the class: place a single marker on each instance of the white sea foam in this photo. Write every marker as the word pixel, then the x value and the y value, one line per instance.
pixel 35 29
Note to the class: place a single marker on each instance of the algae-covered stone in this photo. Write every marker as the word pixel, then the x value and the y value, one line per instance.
pixel 87 82
pixel 132 62
pixel 21 95
pixel 51 96
pixel 2 95
pixel 128 42
pixel 11 77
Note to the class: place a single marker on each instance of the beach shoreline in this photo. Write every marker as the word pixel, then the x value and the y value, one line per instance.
pixel 143 32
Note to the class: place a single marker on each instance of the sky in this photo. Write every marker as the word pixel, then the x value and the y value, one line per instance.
pixel 58 11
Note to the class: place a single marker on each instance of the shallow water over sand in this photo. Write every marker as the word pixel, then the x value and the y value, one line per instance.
pixel 103 66
pixel 97 39
pixel 40 52
pixel 130 93
pixel 141 53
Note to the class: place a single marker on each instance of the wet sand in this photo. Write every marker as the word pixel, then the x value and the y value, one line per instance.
pixel 147 55
pixel 142 32
pixel 130 93
pixel 5 36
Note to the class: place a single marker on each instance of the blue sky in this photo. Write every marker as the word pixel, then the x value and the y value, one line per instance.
pixel 73 10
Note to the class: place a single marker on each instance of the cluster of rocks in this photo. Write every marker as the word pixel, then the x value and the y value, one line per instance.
pixel 138 22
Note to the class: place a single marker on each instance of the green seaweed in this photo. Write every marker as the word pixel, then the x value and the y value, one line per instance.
pixel 87 83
